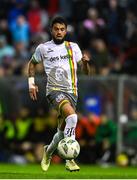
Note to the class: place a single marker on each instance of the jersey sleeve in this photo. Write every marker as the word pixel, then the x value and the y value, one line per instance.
pixel 37 56
pixel 78 53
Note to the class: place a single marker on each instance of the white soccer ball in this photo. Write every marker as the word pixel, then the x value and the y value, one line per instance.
pixel 68 148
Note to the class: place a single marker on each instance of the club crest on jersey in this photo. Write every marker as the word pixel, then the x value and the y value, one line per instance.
pixel 60 97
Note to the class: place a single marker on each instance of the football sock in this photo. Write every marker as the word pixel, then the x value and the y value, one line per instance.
pixel 71 122
pixel 54 143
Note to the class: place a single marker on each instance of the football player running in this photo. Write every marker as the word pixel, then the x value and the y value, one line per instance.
pixel 60 59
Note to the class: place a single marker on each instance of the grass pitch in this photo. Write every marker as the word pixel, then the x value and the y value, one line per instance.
pixel 33 171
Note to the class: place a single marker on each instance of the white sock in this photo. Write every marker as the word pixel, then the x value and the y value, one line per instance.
pixel 54 143
pixel 71 122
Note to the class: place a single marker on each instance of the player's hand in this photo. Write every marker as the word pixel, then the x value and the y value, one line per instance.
pixel 85 58
pixel 33 92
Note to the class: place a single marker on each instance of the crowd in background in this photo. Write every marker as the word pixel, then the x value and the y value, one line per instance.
pixel 106 30
pixel 22 140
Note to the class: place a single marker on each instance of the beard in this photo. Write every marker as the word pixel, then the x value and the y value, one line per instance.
pixel 58 41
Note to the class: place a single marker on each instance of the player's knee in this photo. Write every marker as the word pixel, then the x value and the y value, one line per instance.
pixel 72 119
pixel 67 110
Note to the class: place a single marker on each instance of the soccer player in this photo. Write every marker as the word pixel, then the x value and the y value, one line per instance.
pixel 60 59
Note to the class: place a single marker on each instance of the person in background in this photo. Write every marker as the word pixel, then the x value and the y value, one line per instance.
pixel 106 140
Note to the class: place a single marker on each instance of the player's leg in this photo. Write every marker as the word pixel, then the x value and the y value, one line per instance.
pixel 54 143
pixel 69 120
pixel 66 125
pixel 64 129
pixel 63 105
pixel 49 149
pixel 69 125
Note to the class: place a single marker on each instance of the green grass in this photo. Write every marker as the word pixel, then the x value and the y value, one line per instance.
pixel 33 171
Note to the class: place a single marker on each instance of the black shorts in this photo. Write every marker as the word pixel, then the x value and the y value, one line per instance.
pixel 57 98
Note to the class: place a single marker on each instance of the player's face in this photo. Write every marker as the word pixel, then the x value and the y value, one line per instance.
pixel 58 32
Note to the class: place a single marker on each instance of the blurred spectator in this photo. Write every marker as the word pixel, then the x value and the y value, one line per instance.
pixel 34 17
pixel 22 124
pixel 106 140
pixel 16 136
pixel 6 50
pixel 116 65
pixel 42 128
pixel 130 134
pixel 65 9
pixel 100 54
pixel 53 7
pixel 4 30
pixel 92 27
pixel 71 33
pixel 133 114
pixel 130 24
pixel 8 66
pixel 20 31
pixel 1 72
pixel 6 136
pixel 94 23
pixel 38 128
pixel 130 57
pixel 115 17
pixel 38 38
pixel 37 18
pixel 17 9
pixel 85 133
pixel 79 10
pixel 22 53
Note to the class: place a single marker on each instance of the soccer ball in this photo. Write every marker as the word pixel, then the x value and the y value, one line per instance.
pixel 68 148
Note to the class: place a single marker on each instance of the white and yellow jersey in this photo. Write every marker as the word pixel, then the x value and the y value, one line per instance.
pixel 60 64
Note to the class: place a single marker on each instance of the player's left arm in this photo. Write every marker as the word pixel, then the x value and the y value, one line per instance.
pixel 85 64
pixel 82 60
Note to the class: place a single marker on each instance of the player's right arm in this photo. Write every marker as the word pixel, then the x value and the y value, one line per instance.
pixel 33 88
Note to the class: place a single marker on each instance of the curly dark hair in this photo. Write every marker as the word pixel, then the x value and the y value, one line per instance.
pixel 58 19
